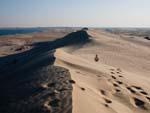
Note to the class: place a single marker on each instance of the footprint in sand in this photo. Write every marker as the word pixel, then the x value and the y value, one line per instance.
pixel 106 105
pixel 103 92
pixel 113 77
pixel 120 76
pixel 148 98
pixel 137 87
pixel 131 90
pixel 119 70
pixel 83 89
pixel 117 90
pixel 143 92
pixel 119 82
pixel 72 81
pixel 107 101
pixel 115 85
pixel 139 90
pixel 99 76
pixel 139 103
pixel 112 69
pixel 112 72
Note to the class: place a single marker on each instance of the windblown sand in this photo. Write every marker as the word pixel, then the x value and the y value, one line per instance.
pixel 118 83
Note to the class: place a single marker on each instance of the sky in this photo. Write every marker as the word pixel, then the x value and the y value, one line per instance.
pixel 75 13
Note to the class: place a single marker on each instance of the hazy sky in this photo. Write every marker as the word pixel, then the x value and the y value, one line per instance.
pixel 96 13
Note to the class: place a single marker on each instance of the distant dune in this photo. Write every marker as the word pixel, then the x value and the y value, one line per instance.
pixel 59 74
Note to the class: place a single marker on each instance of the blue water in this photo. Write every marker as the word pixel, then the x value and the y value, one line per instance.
pixel 14 31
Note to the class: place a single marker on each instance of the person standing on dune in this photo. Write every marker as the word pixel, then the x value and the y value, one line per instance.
pixel 96 58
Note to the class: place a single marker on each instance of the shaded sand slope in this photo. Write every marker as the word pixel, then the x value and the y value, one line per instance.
pixel 44 90
pixel 30 83
pixel 118 83
pixel 40 49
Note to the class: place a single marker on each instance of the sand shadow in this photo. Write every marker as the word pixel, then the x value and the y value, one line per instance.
pixel 12 63
pixel 23 74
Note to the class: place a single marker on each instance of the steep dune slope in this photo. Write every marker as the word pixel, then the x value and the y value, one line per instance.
pixel 111 85
pixel 29 81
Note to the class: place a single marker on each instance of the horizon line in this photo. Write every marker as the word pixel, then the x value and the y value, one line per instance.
pixel 71 27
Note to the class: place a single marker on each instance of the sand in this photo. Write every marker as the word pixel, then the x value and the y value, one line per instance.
pixel 117 83
pixel 29 82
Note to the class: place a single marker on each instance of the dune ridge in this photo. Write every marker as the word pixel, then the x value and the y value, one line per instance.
pixel 31 83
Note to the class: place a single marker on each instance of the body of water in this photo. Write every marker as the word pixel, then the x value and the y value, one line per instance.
pixel 15 31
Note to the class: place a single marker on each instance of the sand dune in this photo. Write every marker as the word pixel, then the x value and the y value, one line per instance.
pixel 118 83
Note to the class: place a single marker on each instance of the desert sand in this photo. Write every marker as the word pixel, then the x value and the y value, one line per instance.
pixel 117 83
